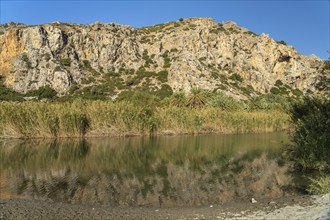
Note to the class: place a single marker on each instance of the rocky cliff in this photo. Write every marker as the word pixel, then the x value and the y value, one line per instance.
pixel 195 52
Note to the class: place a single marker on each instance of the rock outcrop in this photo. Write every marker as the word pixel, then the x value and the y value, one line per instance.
pixel 194 52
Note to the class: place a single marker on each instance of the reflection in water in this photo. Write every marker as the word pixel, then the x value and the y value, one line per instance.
pixel 145 171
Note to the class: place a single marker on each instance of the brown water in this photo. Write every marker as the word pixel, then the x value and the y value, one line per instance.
pixel 145 171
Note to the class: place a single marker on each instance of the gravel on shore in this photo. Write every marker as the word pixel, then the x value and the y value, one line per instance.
pixel 294 207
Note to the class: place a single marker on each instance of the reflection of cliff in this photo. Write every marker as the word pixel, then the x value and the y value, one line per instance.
pixel 79 173
pixel 166 185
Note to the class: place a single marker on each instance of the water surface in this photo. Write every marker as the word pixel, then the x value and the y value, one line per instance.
pixel 145 171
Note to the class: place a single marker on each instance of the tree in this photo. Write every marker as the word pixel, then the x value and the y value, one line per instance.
pixel 311 138
pixel 197 98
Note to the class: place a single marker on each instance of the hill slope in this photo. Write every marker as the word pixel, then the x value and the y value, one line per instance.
pixel 106 59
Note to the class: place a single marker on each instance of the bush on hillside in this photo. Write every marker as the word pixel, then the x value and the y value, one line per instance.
pixel 270 102
pixel 139 98
pixel 45 92
pixel 224 102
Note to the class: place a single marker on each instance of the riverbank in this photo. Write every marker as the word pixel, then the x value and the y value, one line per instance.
pixel 293 207
pixel 106 118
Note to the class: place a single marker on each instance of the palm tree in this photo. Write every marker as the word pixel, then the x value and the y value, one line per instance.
pixel 196 99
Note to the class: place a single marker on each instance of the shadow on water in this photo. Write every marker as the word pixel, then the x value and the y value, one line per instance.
pixel 146 171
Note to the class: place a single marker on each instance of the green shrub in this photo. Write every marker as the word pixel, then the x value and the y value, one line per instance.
pixel 130 82
pixel 25 58
pixel 65 62
pixel 167 60
pixel 141 73
pixel 162 76
pixel 112 74
pixel 224 102
pixel 97 92
pixel 174 50
pixel 144 40
pixel 167 63
pixel 319 186
pixel 297 92
pixel 57 69
pixel 7 94
pixel 138 98
pixel 248 90
pixel 251 33
pixel 270 102
pixel 284 58
pixel 236 77
pixel 147 58
pixel 87 64
pixel 283 90
pixel 215 75
pixel 326 65
pixel 145 55
pixel 74 87
pixel 46 56
pixel 164 91
pixel 275 91
pixel 223 87
pixel 45 92
pixel 311 138
pixel 178 99
pixel 278 83
pixel 282 42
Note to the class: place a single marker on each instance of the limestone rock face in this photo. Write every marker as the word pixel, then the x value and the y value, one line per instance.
pixel 195 52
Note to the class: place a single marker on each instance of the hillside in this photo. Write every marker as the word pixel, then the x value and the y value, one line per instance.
pixel 106 59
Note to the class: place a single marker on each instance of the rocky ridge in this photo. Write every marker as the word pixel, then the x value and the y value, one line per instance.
pixel 195 52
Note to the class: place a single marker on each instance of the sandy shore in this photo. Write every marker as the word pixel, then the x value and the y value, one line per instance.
pixel 319 209
pixel 295 207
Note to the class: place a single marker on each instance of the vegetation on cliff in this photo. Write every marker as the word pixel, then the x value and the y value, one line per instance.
pixel 101 61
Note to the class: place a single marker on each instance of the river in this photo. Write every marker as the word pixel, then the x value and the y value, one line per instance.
pixel 162 171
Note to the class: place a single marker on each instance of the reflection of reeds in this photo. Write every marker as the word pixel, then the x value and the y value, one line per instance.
pixel 135 154
pixel 165 184
pixel 134 171
pixel 103 118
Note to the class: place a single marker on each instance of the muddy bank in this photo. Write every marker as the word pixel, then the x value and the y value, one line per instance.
pixel 294 207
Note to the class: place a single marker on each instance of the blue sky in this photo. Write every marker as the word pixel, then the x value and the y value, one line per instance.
pixel 303 24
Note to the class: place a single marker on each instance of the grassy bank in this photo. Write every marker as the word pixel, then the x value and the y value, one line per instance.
pixel 106 118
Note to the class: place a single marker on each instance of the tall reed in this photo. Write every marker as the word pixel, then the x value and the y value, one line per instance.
pixel 105 118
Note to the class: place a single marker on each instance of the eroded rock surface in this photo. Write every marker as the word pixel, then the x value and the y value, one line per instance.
pixel 193 52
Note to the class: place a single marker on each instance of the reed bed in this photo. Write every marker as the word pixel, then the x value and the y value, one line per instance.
pixel 106 118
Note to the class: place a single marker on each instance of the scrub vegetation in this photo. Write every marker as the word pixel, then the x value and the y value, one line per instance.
pixel 311 140
pixel 141 113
